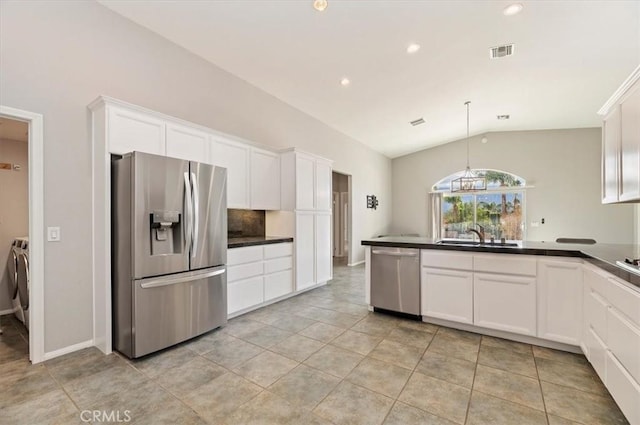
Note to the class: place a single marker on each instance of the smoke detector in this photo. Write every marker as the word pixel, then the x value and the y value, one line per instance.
pixel 501 51
pixel 417 122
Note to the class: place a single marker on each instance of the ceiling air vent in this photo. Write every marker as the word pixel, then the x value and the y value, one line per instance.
pixel 501 51
pixel 417 122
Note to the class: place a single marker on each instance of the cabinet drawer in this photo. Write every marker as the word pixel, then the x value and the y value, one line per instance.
pixel 597 314
pixel 244 271
pixel 446 260
pixel 244 294
pixel 278 284
pixel 597 353
pixel 624 341
pixel 626 300
pixel 246 254
pixel 278 250
pixel 624 389
pixel 278 264
pixel 505 264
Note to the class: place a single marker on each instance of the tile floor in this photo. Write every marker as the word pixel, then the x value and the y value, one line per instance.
pixel 318 358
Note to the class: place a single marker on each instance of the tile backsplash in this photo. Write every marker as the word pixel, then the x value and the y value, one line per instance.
pixel 245 223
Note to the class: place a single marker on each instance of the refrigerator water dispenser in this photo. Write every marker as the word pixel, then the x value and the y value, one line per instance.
pixel 166 234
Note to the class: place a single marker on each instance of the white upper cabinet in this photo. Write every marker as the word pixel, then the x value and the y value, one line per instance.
pixel 621 143
pixel 323 186
pixel 630 145
pixel 187 143
pixel 560 300
pixel 265 180
pixel 129 131
pixel 306 182
pixel 235 157
pixel 610 156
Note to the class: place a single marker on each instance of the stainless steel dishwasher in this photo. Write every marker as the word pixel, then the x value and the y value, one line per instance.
pixel 395 279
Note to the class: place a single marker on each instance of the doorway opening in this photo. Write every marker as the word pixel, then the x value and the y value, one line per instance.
pixel 341 209
pixel 21 230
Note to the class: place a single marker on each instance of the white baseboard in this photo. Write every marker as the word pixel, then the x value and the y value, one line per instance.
pixel 357 263
pixel 5 312
pixel 66 350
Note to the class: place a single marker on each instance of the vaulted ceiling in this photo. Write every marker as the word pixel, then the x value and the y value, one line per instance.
pixel 569 57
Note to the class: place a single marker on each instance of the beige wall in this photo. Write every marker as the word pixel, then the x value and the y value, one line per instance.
pixel 56 57
pixel 563 165
pixel 14 207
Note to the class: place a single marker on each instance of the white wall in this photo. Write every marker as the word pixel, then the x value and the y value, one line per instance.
pixel 56 57
pixel 14 206
pixel 563 165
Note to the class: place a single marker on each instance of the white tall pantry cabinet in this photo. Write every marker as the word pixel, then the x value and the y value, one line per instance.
pixel 306 190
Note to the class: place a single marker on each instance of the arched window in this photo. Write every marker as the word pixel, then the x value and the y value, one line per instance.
pixel 499 209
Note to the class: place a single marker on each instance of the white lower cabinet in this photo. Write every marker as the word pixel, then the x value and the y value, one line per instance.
pixel 244 293
pixel 624 389
pixel 560 300
pixel 305 250
pixel 257 274
pixel 505 302
pixel 314 263
pixel 447 294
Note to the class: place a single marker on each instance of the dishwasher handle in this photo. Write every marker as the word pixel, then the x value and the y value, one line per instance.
pixel 394 253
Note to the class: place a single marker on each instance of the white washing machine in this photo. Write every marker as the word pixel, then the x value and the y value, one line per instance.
pixel 18 267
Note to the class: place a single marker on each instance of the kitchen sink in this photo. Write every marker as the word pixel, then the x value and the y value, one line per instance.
pixel 457 242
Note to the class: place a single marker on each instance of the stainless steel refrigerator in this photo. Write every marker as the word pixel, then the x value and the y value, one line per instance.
pixel 169 250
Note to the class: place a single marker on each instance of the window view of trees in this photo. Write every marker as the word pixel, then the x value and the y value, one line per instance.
pixel 499 210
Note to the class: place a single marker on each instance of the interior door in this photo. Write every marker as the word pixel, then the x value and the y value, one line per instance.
pixel 209 185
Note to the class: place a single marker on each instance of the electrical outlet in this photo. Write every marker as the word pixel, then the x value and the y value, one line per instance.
pixel 53 234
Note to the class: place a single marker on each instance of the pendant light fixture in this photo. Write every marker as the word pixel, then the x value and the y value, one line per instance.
pixel 468 182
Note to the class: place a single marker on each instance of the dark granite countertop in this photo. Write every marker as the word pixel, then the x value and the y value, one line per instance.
pixel 599 254
pixel 256 240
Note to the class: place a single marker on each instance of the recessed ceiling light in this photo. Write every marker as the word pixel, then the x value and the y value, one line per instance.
pixel 503 117
pixel 320 5
pixel 345 81
pixel 412 48
pixel 512 9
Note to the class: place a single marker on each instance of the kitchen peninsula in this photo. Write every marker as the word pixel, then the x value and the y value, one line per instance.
pixel 566 296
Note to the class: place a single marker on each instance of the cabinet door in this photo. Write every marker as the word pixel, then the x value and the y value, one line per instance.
pixel 235 158
pixel 560 301
pixel 305 250
pixel 323 247
pixel 130 131
pixel 305 182
pixel 187 143
pixel 323 186
pixel 630 145
pixel 447 294
pixel 610 156
pixel 265 180
pixel 505 302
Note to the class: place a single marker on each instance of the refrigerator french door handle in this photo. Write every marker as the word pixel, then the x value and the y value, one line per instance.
pixel 171 280
pixel 188 237
pixel 196 214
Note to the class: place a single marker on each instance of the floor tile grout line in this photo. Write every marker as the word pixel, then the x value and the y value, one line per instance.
pixel 473 383
pixel 544 404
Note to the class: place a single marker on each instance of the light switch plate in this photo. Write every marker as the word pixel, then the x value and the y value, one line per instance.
pixel 53 234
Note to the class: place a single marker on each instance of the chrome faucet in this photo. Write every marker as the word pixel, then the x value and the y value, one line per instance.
pixel 480 233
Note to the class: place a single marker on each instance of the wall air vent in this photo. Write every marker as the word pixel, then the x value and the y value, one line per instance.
pixel 501 51
pixel 417 122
